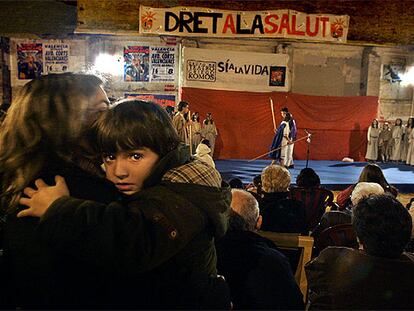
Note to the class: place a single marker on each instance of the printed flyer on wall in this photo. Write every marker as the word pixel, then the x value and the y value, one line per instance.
pixel 29 60
pixel 56 57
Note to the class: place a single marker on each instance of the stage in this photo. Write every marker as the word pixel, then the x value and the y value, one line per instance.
pixel 334 175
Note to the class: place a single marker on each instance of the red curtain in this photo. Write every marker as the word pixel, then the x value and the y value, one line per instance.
pixel 244 122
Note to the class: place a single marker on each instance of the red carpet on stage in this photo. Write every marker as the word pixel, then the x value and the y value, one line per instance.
pixel 244 122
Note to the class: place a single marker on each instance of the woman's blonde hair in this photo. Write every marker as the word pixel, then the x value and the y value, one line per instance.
pixel 275 178
pixel 45 121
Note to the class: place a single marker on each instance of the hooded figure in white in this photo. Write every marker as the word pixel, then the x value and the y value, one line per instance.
pixel 203 154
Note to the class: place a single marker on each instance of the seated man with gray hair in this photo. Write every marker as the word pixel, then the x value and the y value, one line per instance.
pixel 280 213
pixel 378 277
pixel 259 276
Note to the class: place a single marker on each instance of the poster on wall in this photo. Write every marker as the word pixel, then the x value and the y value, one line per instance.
pixel 136 63
pixel 161 99
pixel 209 22
pixel 392 72
pixel 29 60
pixel 56 57
pixel 162 64
pixel 235 71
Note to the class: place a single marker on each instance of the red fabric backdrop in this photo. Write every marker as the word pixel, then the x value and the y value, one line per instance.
pixel 244 122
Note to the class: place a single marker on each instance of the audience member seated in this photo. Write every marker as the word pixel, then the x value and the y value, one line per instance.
pixel 334 218
pixel 280 213
pixel 259 276
pixel 315 198
pixel 308 178
pixel 256 188
pixel 203 153
pixel 236 183
pixel 380 275
pixel 370 173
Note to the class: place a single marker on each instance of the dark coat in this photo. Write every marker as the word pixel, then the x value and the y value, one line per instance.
pixel 345 278
pixel 281 214
pixel 259 275
pixel 155 248
pixel 38 276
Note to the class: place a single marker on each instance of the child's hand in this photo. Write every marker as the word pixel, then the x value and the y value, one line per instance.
pixel 39 200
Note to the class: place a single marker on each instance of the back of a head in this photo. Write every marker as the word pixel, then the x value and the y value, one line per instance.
pixel 206 142
pixel 46 118
pixel 236 183
pixel 373 173
pixel 285 109
pixel 275 178
pixel 383 225
pixel 257 181
pixel 244 204
pixel 308 178
pixel 365 189
pixel 133 124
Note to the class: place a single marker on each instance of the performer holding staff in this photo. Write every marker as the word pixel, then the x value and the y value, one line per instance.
pixel 283 139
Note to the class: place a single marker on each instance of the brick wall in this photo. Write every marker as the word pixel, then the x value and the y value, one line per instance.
pixel 371 21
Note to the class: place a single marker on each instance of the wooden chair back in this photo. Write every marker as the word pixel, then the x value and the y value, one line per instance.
pixel 304 244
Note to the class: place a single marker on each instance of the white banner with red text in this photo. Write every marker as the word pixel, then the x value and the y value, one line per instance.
pixel 206 22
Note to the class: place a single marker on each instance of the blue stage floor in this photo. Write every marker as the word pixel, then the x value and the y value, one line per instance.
pixel 334 175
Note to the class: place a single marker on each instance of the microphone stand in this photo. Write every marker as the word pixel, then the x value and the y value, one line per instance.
pixel 308 141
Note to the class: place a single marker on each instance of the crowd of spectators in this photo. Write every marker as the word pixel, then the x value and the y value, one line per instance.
pixel 104 207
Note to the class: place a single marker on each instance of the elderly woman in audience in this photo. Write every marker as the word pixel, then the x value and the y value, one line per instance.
pixel 280 213
pixel 380 275
pixel 332 218
pixel 370 173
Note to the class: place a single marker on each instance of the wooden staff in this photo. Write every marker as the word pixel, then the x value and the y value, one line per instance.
pixel 273 113
pixel 190 133
pixel 264 154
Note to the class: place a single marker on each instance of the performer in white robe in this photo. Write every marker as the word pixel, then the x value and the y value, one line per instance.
pixel 407 131
pixel 397 135
pixel 372 146
pixel 209 131
pixel 196 129
pixel 410 151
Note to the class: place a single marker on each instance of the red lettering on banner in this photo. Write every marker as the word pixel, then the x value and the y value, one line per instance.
pixel 268 22
pixel 229 23
pixel 294 30
pixel 308 27
pixel 324 20
pixel 284 24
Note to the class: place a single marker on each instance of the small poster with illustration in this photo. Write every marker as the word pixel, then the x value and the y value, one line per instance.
pixel 136 59
pixel 29 60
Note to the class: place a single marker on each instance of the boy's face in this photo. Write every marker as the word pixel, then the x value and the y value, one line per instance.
pixel 129 169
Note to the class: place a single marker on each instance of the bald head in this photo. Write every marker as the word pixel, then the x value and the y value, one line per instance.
pixel 245 204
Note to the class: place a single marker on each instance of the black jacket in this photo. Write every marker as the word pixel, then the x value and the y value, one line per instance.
pixel 154 249
pixel 259 275
pixel 345 278
pixel 37 276
pixel 281 214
